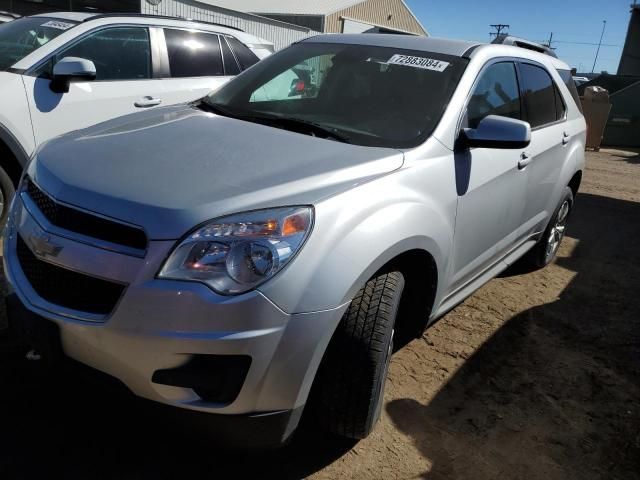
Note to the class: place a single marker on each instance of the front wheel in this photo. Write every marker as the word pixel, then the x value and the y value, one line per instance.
pixel 547 247
pixel 7 191
pixel 348 392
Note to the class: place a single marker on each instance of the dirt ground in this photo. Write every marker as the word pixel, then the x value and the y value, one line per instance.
pixel 536 376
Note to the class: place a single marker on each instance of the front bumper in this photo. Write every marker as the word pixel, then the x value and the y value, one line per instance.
pixel 162 324
pixel 253 430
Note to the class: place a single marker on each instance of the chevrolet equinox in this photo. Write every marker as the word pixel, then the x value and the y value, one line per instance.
pixel 257 253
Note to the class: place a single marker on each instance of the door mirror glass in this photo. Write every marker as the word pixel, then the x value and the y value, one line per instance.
pixel 495 131
pixel 71 69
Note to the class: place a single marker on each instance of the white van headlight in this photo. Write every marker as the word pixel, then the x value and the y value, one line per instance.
pixel 235 254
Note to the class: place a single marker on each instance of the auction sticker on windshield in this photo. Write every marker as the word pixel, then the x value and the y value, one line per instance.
pixel 418 62
pixel 58 25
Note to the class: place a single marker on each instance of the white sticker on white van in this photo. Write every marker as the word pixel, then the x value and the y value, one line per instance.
pixel 418 62
pixel 57 24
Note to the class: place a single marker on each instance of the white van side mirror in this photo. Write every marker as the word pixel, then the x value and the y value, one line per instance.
pixel 71 69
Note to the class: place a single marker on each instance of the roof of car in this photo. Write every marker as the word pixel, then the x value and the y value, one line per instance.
pixel 409 42
pixel 9 14
pixel 445 46
pixel 86 17
pixel 74 16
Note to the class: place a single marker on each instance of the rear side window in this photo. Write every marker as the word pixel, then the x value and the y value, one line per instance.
pixel 245 57
pixel 496 93
pixel 230 65
pixel 567 78
pixel 539 95
pixel 193 54
pixel 121 53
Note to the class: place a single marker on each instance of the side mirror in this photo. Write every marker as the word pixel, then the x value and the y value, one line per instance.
pixel 71 69
pixel 496 132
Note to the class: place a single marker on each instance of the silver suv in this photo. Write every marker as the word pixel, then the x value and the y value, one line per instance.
pixel 261 251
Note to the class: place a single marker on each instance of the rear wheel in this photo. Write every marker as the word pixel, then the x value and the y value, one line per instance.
pixel 547 247
pixel 348 393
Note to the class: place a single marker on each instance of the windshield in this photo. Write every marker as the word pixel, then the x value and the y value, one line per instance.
pixel 366 95
pixel 21 37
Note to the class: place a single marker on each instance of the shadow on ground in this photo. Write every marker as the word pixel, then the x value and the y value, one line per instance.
pixel 77 428
pixel 75 424
pixel 570 368
pixel 630 155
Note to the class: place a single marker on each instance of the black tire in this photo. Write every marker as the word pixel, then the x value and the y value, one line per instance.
pixel 543 253
pixel 348 392
pixel 7 190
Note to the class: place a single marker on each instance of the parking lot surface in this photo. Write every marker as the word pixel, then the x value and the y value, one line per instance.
pixel 535 376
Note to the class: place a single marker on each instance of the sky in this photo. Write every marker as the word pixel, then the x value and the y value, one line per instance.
pixel 575 24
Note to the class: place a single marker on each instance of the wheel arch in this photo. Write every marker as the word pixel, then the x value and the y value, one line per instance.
pixel 409 261
pixel 420 272
pixel 419 269
pixel 13 158
pixel 574 183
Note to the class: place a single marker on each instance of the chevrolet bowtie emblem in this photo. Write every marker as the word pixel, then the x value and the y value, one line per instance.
pixel 42 245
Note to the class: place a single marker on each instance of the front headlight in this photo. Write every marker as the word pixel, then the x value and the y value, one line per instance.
pixel 237 253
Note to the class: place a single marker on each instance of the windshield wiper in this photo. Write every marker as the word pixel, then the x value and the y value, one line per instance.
pixel 213 108
pixel 298 125
pixel 303 126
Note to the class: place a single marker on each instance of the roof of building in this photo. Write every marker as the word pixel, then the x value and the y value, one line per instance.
pixel 428 44
pixel 290 7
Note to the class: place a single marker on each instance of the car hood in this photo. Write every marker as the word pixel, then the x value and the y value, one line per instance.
pixel 173 168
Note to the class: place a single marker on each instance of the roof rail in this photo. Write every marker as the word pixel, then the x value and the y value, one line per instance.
pixel 162 17
pixel 9 14
pixel 522 43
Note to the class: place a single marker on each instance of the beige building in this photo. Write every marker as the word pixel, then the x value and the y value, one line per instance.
pixel 334 16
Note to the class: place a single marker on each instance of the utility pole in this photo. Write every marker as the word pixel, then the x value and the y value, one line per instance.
pixel 498 27
pixel 604 25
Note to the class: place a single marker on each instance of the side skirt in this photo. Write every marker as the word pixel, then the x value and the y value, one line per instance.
pixel 461 294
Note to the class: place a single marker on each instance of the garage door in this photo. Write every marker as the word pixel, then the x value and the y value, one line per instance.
pixel 351 26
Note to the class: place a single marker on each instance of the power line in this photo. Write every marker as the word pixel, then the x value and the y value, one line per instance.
pixel 588 43
pixel 604 25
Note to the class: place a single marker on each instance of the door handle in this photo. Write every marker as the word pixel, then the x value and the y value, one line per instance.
pixel 565 138
pixel 147 101
pixel 525 159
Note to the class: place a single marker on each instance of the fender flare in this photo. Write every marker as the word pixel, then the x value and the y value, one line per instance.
pixel 421 243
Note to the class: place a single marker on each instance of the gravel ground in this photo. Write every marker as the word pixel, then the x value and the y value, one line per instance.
pixel 536 376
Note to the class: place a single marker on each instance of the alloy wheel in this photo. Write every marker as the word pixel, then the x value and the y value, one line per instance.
pixel 557 230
